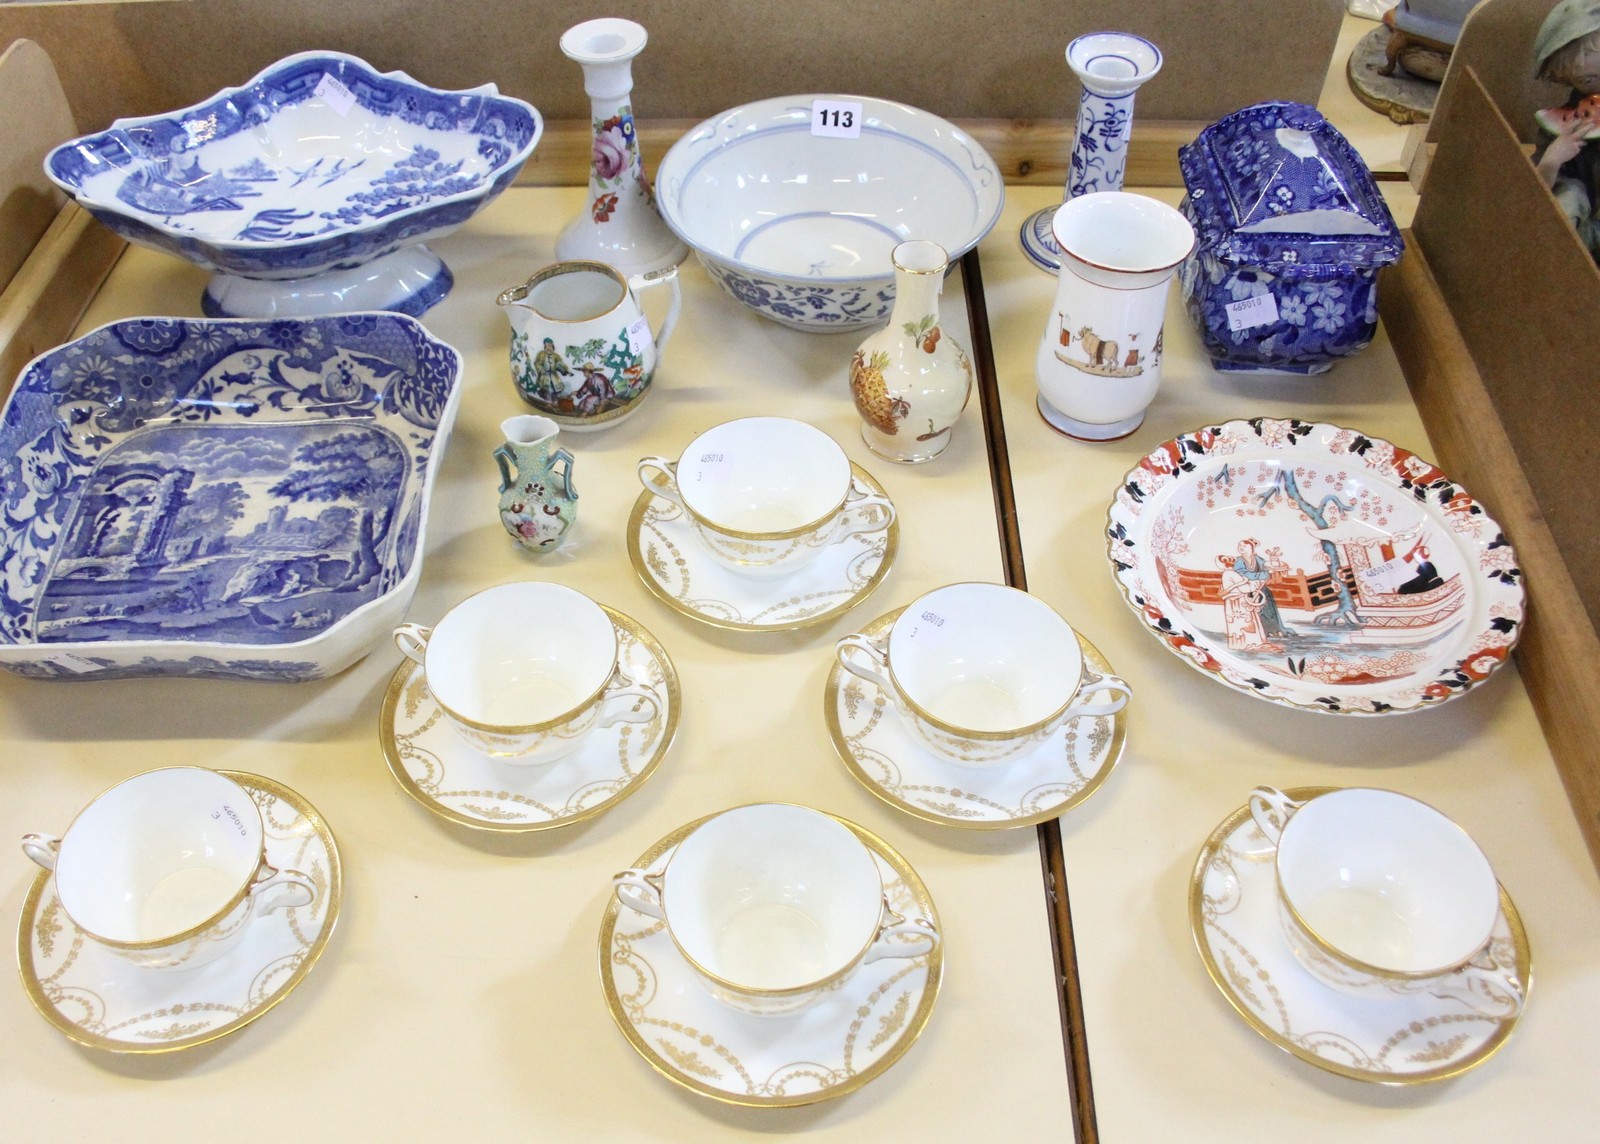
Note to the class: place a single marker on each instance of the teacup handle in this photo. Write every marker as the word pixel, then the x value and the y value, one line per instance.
pixel 668 491
pixel 412 640
pixel 852 519
pixel 635 694
pixel 664 277
pixel 1493 990
pixel 1271 809
pixel 875 651
pixel 888 943
pixel 303 889
pixel 1080 709
pixel 42 848
pixel 639 890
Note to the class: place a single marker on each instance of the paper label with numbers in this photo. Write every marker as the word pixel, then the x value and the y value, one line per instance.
pixel 639 336
pixel 1386 577
pixel 713 468
pixel 929 628
pixel 76 664
pixel 835 119
pixel 1262 310
pixel 335 94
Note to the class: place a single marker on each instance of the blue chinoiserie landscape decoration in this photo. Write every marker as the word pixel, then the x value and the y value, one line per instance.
pixel 218 497
pixel 1291 235
pixel 309 189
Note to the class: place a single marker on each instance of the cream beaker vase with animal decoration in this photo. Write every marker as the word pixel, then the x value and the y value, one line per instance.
pixel 911 380
pixel 1099 361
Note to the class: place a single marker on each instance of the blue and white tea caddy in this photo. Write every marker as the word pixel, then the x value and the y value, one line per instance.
pixel 1291 233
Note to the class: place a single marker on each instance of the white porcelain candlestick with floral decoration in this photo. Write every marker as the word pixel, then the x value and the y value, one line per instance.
pixel 620 226
pixel 910 380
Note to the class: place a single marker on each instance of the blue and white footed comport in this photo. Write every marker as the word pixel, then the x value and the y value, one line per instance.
pixel 309 190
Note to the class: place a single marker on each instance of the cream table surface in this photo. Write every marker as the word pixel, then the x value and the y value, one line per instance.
pixel 460 994
pixel 1169 1057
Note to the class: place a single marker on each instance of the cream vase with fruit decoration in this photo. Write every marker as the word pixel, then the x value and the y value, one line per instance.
pixel 910 380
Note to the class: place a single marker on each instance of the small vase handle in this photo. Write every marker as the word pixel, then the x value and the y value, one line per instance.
pixel 507 460
pixel 564 459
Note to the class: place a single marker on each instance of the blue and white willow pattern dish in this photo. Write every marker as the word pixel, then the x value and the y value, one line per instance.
pixel 1291 235
pixel 292 187
pixel 800 227
pixel 218 497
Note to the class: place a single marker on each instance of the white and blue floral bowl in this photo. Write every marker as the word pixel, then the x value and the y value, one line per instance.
pixel 311 188
pixel 799 227
pixel 218 497
pixel 1291 233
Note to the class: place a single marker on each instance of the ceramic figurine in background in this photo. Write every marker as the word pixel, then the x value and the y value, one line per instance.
pixel 538 504
pixel 910 380
pixel 582 351
pixel 1567 51
pixel 1099 361
pixel 1292 234
pixel 621 225
pixel 1112 66
pixel 1422 36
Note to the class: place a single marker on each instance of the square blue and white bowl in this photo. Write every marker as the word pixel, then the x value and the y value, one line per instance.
pixel 218 497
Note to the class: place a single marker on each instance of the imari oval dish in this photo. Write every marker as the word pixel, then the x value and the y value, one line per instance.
pixel 1410 1039
pixel 835 1046
pixel 305 175
pixel 1315 566
pixel 218 497
pixel 103 1001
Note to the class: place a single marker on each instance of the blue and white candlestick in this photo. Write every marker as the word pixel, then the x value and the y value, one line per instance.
pixel 1112 66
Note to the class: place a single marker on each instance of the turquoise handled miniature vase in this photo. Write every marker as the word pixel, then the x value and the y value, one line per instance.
pixel 538 504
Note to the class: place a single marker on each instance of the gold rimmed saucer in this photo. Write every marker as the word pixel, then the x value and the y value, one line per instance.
pixel 440 770
pixel 100 1000
pixel 678 570
pixel 834 1047
pixel 1411 1039
pixel 887 757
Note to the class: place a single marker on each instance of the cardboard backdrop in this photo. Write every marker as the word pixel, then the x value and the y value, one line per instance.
pixel 956 58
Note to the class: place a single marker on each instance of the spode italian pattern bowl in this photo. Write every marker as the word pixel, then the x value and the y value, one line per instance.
pixel 311 188
pixel 218 497
pixel 799 226
pixel 1315 566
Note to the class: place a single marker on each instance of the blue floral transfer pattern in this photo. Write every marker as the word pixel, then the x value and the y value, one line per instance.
pixel 187 496
pixel 802 305
pixel 161 180
pixel 1270 189
pixel 1100 148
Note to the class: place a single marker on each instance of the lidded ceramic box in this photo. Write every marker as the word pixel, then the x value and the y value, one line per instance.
pixel 1291 233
